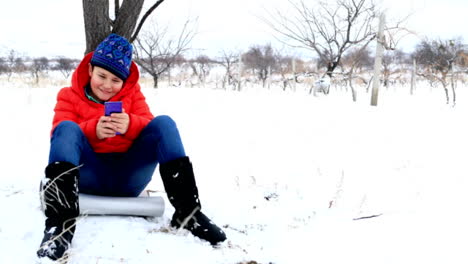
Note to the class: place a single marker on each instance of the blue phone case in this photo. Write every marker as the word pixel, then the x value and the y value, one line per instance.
pixel 112 107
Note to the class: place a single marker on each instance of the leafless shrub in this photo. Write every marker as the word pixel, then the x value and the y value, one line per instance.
pixel 261 61
pixel 228 60
pixel 65 66
pixel 201 67
pixel 437 58
pixel 38 66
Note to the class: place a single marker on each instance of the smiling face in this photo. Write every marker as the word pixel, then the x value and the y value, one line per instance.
pixel 104 84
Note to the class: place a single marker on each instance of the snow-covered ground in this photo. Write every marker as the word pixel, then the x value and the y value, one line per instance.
pixel 291 178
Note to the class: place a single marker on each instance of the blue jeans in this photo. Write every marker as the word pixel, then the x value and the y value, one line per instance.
pixel 117 174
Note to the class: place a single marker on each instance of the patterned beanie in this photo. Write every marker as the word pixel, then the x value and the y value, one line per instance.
pixel 115 55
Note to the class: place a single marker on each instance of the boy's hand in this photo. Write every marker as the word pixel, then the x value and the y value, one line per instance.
pixel 107 126
pixel 120 121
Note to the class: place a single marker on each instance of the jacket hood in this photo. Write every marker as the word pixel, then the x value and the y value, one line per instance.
pixel 81 78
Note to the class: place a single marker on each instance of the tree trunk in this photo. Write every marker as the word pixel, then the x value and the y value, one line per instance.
pixel 97 22
pixel 452 84
pixel 36 76
pixel 447 96
pixel 239 86
pixel 353 91
pixel 330 68
pixel 155 80
pixel 169 76
pixel 127 19
pixel 454 95
pixel 413 77
pixel 294 74
pixel 268 77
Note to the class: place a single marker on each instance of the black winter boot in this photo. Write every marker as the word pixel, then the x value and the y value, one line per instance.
pixel 179 182
pixel 59 194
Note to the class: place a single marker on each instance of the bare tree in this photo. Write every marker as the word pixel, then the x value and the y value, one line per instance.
pixel 98 22
pixel 201 67
pixel 38 66
pixel 3 66
pixel 355 60
pixel 261 60
pixel 392 62
pixel 14 63
pixel 228 60
pixel 287 71
pixel 359 58
pixel 156 51
pixel 328 28
pixel 65 66
pixel 438 58
pixel 18 65
pixel 462 60
pixel 11 63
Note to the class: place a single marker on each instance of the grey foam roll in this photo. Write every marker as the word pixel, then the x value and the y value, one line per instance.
pixel 107 205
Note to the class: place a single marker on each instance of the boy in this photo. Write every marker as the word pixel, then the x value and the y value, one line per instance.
pixel 113 155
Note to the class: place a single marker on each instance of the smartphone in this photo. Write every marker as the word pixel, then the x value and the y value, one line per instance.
pixel 112 107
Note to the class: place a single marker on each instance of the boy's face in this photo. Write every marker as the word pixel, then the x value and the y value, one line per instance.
pixel 104 84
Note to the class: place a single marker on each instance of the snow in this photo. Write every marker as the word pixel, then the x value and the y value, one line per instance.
pixel 287 175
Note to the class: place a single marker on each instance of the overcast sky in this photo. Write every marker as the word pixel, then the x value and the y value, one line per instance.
pixel 55 27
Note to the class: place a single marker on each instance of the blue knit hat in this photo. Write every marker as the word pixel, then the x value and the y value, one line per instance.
pixel 115 55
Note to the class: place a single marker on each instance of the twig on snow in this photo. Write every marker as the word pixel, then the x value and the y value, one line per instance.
pixel 366 217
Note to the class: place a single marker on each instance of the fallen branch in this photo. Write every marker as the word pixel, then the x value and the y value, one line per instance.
pixel 14 193
pixel 366 217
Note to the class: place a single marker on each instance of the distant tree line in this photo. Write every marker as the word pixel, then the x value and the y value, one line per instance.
pixel 14 63
pixel 436 61
pixel 339 33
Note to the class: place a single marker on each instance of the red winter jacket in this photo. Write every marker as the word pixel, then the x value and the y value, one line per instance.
pixel 72 104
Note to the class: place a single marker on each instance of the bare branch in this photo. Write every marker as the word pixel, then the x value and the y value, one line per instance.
pixel 156 51
pixel 328 28
pixel 145 16
pixel 116 8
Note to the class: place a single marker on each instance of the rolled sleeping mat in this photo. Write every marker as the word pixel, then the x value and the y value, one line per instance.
pixel 107 205
pixel 127 206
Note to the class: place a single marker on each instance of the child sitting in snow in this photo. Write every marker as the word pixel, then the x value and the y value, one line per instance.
pixel 113 155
